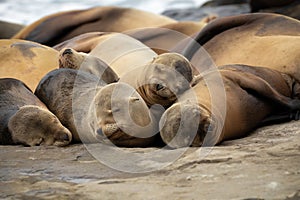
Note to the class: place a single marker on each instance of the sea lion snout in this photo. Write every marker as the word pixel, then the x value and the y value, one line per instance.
pixel 179 127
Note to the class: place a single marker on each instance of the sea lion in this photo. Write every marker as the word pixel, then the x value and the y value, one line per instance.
pixel 251 95
pixel 267 40
pixel 68 94
pixel 159 82
pixel 162 80
pixel 58 27
pixel 68 58
pixel 26 61
pixel 24 119
pixel 9 29
pixel 161 39
pixel 124 117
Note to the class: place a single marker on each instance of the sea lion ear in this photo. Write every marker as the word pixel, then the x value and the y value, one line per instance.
pixel 185 69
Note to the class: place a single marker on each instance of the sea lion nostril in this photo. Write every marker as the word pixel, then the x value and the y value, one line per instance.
pixel 65 137
pixel 67 51
pixel 100 132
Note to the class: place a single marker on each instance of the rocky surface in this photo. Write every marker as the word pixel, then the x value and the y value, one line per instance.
pixel 264 165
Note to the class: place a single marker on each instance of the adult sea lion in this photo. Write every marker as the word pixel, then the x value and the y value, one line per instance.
pixel 251 95
pixel 58 27
pixel 161 39
pixel 24 119
pixel 9 29
pixel 259 39
pixel 26 61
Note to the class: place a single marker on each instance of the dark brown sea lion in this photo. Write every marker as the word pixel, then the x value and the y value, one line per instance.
pixel 56 28
pixel 24 119
pixel 249 96
pixel 259 39
pixel 26 61
pixel 9 29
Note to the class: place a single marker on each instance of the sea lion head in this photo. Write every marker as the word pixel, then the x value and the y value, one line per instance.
pixel 123 116
pixel 69 58
pixel 33 125
pixel 168 76
pixel 186 124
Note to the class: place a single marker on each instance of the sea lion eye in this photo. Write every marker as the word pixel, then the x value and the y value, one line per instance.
pixel 159 86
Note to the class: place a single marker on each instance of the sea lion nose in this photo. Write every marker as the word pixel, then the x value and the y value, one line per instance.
pixel 67 51
pixel 100 132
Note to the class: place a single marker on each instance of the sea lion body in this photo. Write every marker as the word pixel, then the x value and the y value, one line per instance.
pixel 259 39
pixel 56 28
pixel 24 119
pixel 68 94
pixel 251 95
pixel 26 61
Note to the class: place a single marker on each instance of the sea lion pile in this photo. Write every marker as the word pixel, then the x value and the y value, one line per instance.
pixel 131 78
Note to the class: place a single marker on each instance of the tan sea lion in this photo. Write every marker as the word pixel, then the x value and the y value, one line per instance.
pixel 259 39
pixel 58 27
pixel 24 119
pixel 26 61
pixel 251 95
pixel 124 117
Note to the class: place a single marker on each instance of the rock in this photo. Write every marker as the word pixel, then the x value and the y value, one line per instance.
pixel 264 165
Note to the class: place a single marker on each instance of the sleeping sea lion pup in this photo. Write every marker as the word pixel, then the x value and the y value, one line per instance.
pixel 68 93
pixel 124 117
pixel 253 95
pixel 24 119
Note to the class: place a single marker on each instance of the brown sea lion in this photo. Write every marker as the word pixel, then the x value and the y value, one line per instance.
pixel 259 39
pixel 257 5
pixel 219 112
pixel 56 28
pixel 68 94
pixel 9 29
pixel 24 119
pixel 161 38
pixel 26 61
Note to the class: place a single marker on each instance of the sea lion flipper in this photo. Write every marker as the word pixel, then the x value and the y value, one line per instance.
pixel 261 88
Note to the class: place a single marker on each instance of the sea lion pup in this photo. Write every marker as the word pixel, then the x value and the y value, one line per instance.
pixel 124 117
pixel 68 58
pixel 251 95
pixel 56 28
pixel 68 93
pixel 26 61
pixel 161 80
pixel 24 119
pixel 268 40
